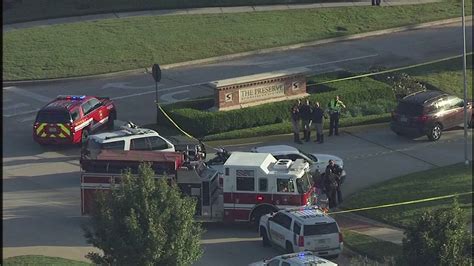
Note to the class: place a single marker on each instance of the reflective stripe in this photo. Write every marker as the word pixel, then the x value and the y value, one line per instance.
pixel 43 135
pixel 84 124
pixel 40 128
pixel 61 135
pixel 65 130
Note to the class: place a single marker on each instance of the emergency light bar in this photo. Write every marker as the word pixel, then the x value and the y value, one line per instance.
pixel 71 97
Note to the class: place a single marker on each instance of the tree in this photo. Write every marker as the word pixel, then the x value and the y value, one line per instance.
pixel 144 221
pixel 438 238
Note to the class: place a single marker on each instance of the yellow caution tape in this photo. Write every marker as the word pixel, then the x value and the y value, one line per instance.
pixel 387 71
pixel 401 203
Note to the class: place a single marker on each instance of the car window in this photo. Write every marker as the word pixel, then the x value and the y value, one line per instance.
pixel 262 184
pixel 320 229
pixel 282 219
pixel 278 157
pixel 94 103
pixel 457 102
pixel 274 262
pixel 296 228
pixel 285 185
pixel 86 107
pixel 75 114
pixel 294 157
pixel 245 180
pixel 139 144
pixel 410 109
pixel 116 145
pixel 53 117
pixel 157 143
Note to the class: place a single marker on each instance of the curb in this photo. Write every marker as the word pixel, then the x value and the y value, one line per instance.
pixel 243 54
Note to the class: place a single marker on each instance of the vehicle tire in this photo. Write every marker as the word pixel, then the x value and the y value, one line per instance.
pixel 110 122
pixel 289 247
pixel 435 132
pixel 265 240
pixel 84 136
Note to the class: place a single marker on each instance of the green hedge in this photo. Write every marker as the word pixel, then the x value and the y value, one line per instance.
pixel 202 123
pixel 285 127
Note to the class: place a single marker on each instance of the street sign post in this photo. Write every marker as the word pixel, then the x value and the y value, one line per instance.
pixel 156 73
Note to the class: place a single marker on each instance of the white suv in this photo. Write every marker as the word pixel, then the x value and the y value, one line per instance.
pixel 128 138
pixel 302 229
pixel 295 259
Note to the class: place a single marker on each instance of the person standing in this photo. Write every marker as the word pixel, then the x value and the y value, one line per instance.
pixel 295 117
pixel 305 112
pixel 335 172
pixel 334 108
pixel 330 188
pixel 376 2
pixel 318 120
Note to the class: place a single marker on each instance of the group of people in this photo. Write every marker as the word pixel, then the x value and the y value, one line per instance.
pixel 313 114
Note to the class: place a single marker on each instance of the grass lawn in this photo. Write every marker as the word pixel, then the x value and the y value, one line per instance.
pixel 447 76
pixel 431 183
pixel 41 260
pixel 120 44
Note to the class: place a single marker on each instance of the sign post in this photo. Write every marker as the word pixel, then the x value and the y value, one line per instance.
pixel 156 72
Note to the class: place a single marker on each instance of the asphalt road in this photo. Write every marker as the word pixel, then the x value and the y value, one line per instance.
pixel 41 186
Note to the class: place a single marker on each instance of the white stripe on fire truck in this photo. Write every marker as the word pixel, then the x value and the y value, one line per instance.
pixel 83 125
pixel 100 122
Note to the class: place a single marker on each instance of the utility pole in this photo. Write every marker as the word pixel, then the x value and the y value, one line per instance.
pixel 466 159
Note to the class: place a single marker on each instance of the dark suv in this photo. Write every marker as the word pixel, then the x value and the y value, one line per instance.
pixel 428 112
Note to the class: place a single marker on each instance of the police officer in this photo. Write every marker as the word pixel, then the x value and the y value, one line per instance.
pixel 334 108
pixel 305 112
pixel 335 172
pixel 318 120
pixel 330 188
pixel 295 117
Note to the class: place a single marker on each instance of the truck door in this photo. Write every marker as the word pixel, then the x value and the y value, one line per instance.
pixel 278 226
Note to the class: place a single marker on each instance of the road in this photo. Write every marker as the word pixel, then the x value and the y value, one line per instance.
pixel 40 186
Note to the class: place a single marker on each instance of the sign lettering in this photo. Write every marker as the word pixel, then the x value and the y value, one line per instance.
pixel 258 93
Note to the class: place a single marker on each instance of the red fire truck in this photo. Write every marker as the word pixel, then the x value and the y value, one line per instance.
pixel 254 183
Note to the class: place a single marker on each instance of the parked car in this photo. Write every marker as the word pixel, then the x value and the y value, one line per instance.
pixel 302 229
pixel 317 161
pixel 129 137
pixel 429 113
pixel 306 258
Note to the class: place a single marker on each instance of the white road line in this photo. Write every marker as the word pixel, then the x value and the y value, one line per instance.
pixel 168 97
pixel 28 94
pixel 162 90
pixel 342 60
pixel 15 106
pixel 27 119
pixel 21 113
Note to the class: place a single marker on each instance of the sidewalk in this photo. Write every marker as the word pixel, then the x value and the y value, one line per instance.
pixel 209 10
pixel 369 227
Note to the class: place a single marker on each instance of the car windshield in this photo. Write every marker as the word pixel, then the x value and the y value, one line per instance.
pixel 309 155
pixel 53 117
pixel 320 229
pixel 304 183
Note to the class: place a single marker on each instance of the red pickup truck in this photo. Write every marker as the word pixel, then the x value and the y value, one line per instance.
pixel 70 119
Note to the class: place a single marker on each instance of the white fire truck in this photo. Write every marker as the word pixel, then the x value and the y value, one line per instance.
pixel 254 184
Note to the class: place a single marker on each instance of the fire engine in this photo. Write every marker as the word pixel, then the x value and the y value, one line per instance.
pixel 69 119
pixel 254 183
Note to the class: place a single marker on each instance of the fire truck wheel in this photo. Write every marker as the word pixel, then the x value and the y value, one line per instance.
pixel 289 247
pixel 265 241
pixel 84 136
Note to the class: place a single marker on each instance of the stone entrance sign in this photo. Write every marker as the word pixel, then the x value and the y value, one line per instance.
pixel 257 89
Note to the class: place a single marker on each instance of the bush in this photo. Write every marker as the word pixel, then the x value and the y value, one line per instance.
pixel 438 238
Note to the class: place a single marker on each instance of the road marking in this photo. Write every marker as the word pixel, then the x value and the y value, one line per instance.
pixel 342 60
pixel 27 119
pixel 168 97
pixel 15 106
pixel 123 85
pixel 162 90
pixel 21 113
pixel 28 94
